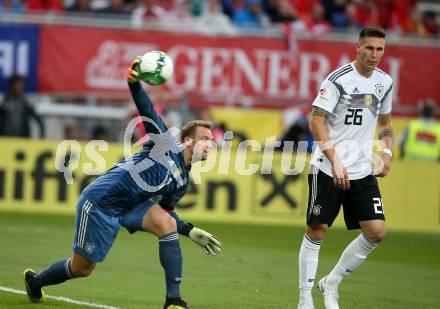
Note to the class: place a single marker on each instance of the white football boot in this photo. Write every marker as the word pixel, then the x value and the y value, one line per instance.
pixel 330 293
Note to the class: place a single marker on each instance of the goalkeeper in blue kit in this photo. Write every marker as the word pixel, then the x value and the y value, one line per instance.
pixel 123 197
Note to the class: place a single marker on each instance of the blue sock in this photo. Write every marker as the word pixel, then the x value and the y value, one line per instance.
pixel 56 273
pixel 171 261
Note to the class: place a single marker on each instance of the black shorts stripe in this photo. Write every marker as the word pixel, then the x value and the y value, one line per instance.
pixel 338 71
pixel 314 172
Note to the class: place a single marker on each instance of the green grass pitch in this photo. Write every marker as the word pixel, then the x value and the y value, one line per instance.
pixel 257 269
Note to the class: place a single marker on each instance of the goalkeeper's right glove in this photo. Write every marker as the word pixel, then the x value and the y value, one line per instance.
pixel 133 70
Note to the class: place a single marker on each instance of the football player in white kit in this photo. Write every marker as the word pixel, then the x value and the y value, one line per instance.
pixel 352 99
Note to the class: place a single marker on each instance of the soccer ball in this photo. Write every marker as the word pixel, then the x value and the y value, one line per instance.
pixel 155 68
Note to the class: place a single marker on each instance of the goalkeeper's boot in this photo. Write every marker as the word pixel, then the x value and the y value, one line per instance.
pixel 330 293
pixel 35 296
pixel 306 303
pixel 175 303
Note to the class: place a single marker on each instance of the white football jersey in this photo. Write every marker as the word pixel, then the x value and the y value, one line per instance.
pixel 354 103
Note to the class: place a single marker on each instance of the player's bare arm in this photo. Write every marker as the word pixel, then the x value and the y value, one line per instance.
pixel 318 128
pixel 386 136
pixel 317 111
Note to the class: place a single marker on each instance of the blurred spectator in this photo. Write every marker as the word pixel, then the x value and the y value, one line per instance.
pixel 296 129
pixel 213 20
pixel 196 7
pixel 228 8
pixel 315 24
pixel 366 11
pixel 401 19
pixel 385 10
pixel 99 132
pixel 147 10
pixel 304 7
pixel 219 128
pixel 344 15
pixel 45 5
pixel 82 6
pixel 182 12
pixel 249 13
pixel 395 15
pixel 428 26
pixel 351 22
pixel 421 139
pixel 12 6
pixel 16 112
pixel 68 128
pixel 280 11
pixel 114 7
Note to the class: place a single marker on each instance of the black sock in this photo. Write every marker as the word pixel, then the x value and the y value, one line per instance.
pixel 171 260
pixel 56 273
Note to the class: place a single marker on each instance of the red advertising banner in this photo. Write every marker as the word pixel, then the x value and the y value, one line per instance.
pixel 84 60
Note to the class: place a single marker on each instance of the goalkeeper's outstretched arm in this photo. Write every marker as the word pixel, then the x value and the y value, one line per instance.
pixel 143 101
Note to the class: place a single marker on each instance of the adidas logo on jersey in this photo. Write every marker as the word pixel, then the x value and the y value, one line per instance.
pixel 355 90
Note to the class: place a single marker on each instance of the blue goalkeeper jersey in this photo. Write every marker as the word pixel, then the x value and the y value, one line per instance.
pixel 157 170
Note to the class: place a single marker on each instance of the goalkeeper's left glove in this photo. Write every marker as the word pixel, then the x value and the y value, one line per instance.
pixel 133 70
pixel 209 243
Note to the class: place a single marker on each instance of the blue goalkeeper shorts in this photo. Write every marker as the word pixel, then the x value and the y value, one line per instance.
pixel 95 231
pixel 132 220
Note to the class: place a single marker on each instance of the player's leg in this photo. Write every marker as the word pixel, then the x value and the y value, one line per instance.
pixel 308 263
pixel 373 232
pixel 323 207
pixel 150 217
pixel 58 272
pixel 362 209
pixel 91 224
pixel 80 266
pixel 160 223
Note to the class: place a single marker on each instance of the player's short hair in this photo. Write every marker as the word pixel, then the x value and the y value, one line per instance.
pixel 190 128
pixel 374 32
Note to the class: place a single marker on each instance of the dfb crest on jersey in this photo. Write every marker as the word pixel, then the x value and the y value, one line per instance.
pixel 379 90
pixel 368 99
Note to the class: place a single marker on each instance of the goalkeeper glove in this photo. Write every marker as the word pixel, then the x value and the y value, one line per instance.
pixel 133 70
pixel 208 242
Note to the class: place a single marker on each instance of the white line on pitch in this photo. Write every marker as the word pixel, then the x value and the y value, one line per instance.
pixel 62 298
